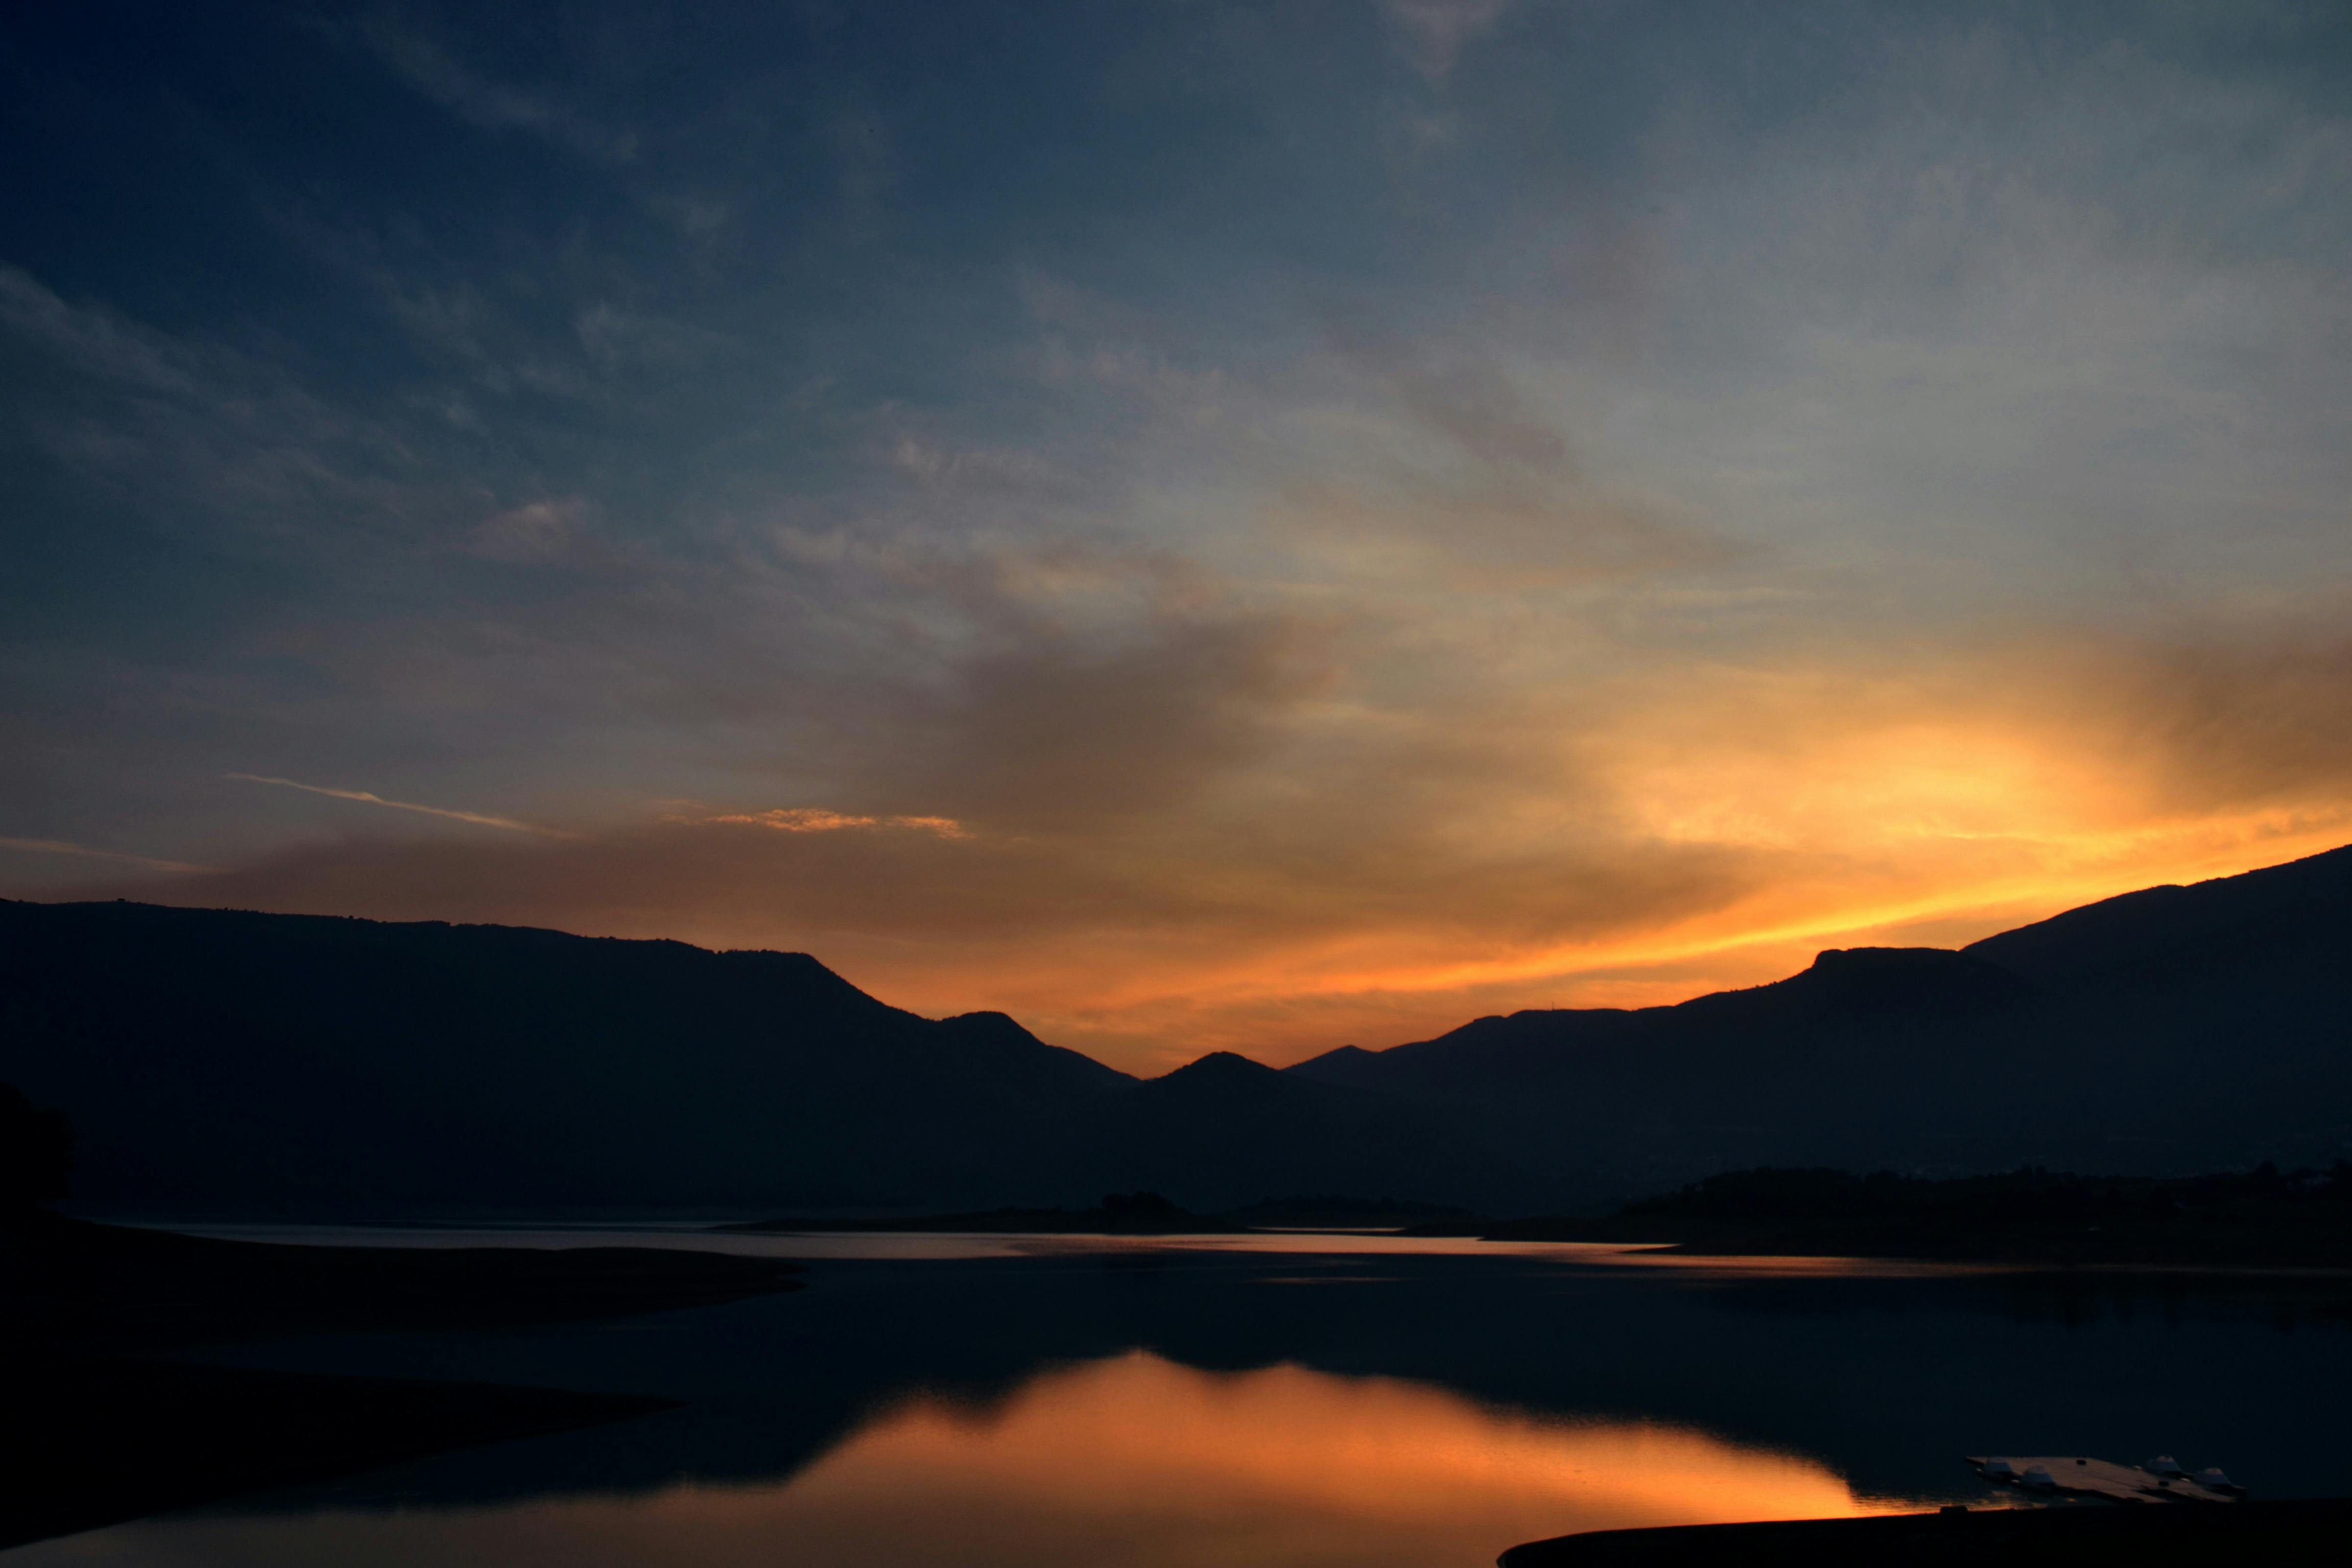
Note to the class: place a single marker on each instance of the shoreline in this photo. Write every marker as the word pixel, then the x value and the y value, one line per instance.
pixel 104 1428
pixel 99 1440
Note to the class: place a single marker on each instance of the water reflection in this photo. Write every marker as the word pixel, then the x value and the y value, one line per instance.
pixel 1133 1459
pixel 1425 1408
pixel 936 1247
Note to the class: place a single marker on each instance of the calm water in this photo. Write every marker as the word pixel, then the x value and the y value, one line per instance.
pixel 1286 1400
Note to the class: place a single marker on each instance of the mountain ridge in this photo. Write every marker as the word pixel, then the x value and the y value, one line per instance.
pixel 255 1061
pixel 2119 1041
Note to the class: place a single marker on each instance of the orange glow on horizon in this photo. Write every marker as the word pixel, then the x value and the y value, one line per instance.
pixel 1705 832
pixel 1378 991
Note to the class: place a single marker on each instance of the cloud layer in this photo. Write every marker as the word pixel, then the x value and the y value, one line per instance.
pixel 1201 526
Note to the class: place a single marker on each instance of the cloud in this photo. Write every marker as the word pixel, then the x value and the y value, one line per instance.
pixel 1149 944
pixel 1376 869
pixel 364 796
pixel 1765 485
pixel 1431 34
pixel 425 66
pixel 60 846
pixel 1475 405
pixel 1485 537
pixel 196 438
pixel 816 819
pixel 1057 725
pixel 2220 722
pixel 1457 474
pixel 1010 686
pixel 536 531
pixel 95 343
pixel 616 339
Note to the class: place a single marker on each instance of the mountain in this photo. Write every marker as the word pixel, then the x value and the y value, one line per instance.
pixel 236 1062
pixel 218 1056
pixel 2286 922
pixel 227 1060
pixel 1237 1131
pixel 2170 1030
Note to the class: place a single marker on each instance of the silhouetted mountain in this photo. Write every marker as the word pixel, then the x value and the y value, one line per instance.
pixel 225 1059
pixel 2277 918
pixel 2167 1031
pixel 218 1058
pixel 1224 1130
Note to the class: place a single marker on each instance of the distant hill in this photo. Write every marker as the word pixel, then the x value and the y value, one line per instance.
pixel 223 1060
pixel 252 1062
pixel 2168 1031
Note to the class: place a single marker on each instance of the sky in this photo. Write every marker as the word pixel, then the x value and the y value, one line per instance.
pixel 1200 525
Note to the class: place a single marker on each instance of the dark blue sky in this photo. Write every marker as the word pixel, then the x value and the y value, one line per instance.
pixel 1198 523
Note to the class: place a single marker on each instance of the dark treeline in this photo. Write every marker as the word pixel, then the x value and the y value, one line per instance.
pixel 2261 1217
pixel 1774 1193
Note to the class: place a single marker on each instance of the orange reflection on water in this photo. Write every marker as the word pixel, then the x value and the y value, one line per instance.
pixel 1297 1467
pixel 1134 1461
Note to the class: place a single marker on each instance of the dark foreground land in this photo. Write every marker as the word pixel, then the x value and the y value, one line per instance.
pixel 2152 1535
pixel 2259 1219
pixel 98 1430
pixel 94 1440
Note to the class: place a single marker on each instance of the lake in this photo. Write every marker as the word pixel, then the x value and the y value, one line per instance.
pixel 1283 1400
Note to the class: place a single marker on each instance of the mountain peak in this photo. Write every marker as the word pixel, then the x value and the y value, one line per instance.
pixel 1847 958
pixel 1218 1066
pixel 1910 979
pixel 1342 1065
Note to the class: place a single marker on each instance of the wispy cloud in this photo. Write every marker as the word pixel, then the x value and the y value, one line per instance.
pixel 60 846
pixel 425 66
pixel 367 797
pixel 1761 483
pixel 95 342
pixel 536 531
pixel 816 819
pixel 1430 34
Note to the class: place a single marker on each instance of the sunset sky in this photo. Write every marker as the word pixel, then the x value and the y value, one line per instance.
pixel 1199 525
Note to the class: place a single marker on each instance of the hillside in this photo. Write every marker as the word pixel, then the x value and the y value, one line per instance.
pixel 2171 1030
pixel 225 1057
pixel 235 1062
pixel 213 1060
